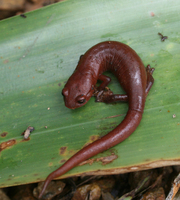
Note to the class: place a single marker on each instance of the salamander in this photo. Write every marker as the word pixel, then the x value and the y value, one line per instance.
pixel 135 79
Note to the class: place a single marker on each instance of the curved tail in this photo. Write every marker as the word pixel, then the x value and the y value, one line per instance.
pixel 120 133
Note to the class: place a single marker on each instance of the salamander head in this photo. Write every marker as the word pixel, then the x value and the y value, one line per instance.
pixel 78 90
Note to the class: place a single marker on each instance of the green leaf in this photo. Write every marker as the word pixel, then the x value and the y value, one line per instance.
pixel 40 52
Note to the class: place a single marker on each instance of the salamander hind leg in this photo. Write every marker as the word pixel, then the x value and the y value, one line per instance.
pixel 150 79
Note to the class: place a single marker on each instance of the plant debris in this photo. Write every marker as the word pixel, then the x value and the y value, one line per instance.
pixel 151 184
pixel 27 132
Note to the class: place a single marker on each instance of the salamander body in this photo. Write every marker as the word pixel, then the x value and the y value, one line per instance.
pixel 135 79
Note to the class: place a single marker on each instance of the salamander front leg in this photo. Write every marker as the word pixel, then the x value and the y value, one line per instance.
pixel 104 94
pixel 111 98
pixel 98 92
pixel 105 81
pixel 107 96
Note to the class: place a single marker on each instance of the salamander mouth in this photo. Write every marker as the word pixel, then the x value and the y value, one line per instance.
pixel 72 107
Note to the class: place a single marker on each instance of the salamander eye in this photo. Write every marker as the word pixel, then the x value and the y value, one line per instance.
pixel 81 99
